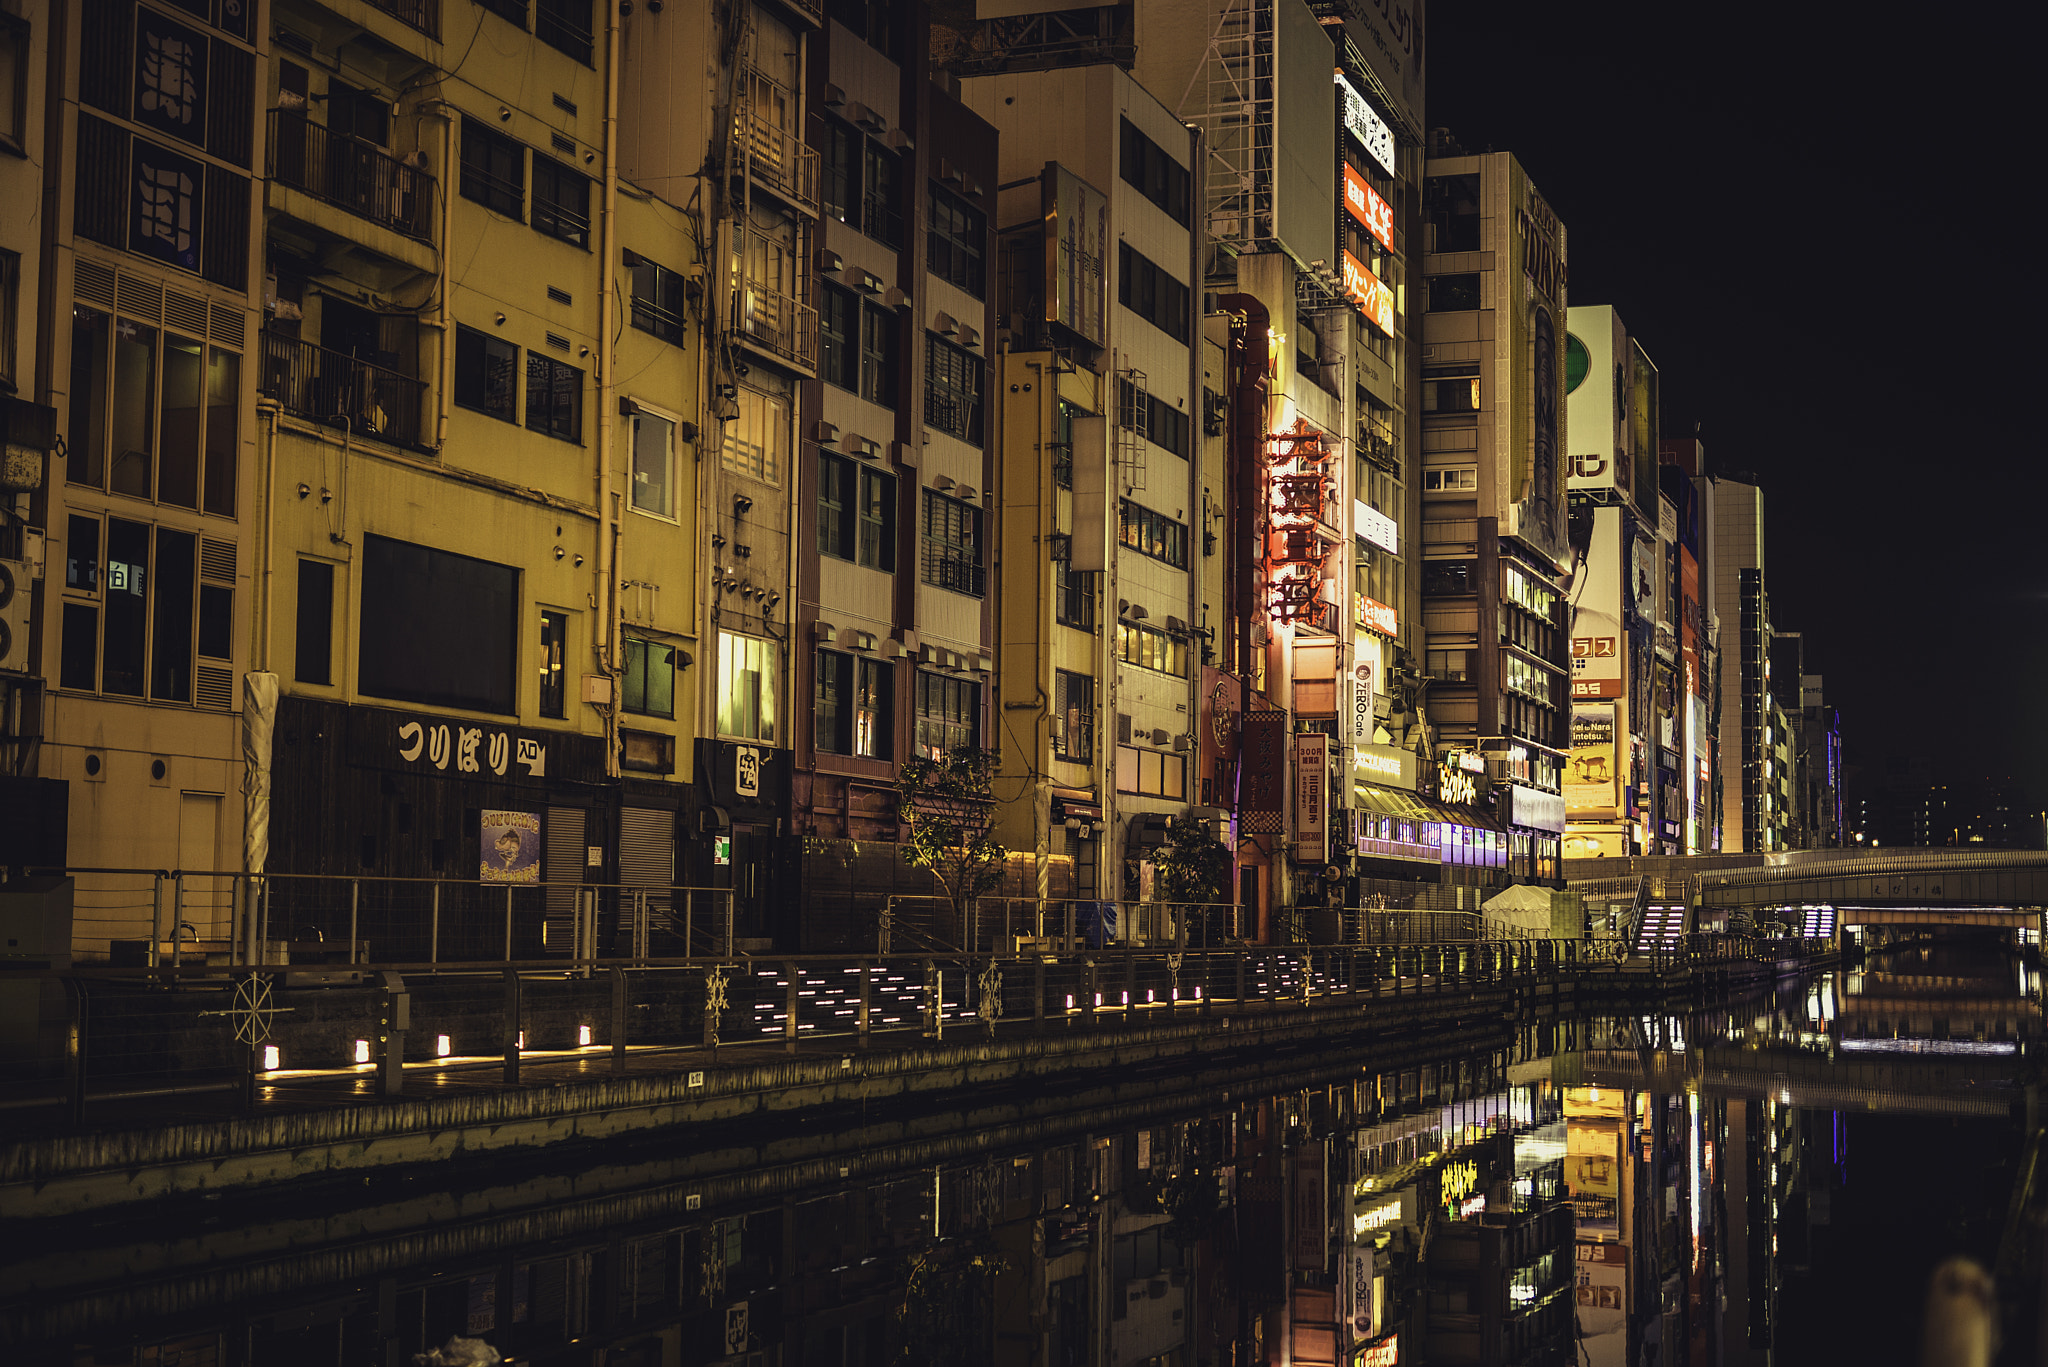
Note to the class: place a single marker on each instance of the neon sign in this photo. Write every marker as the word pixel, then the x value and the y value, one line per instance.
pixel 1369 293
pixel 1374 615
pixel 1365 204
pixel 1297 546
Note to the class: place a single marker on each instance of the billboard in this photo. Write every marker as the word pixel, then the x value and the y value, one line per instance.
pixel 1592 778
pixel 1262 751
pixel 1643 418
pixel 1531 486
pixel 1598 641
pixel 1596 399
pixel 1077 253
pixel 1388 36
pixel 1369 294
pixel 1311 798
pixel 1363 123
pixel 1304 134
pixel 1374 214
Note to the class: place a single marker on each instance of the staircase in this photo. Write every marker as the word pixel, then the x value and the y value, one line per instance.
pixel 1663 915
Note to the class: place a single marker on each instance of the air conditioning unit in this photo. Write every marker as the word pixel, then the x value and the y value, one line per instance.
pixel 14 601
pixel 901 141
pixel 835 98
pixel 830 262
pixel 896 298
pixel 949 173
pixel 1181 740
pixel 865 117
pixel 825 631
pixel 945 324
pixel 970 186
pixel 855 445
pixel 1175 624
pixel 969 337
pixel 1160 735
pixel 866 281
pixel 824 433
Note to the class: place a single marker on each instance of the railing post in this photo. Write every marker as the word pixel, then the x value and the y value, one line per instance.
pixel 731 913
pixel 509 1033
pixel 689 917
pixel 1130 983
pixel 789 1006
pixel 74 1051
pixel 618 1019
pixel 1241 953
pixel 508 923
pixel 861 1022
pixel 263 940
pixel 156 917
pixel 434 927
pixel 355 893
pixel 1038 992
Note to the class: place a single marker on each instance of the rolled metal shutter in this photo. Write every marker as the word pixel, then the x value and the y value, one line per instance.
pixel 562 859
pixel 647 859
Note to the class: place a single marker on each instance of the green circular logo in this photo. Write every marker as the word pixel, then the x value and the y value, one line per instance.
pixel 1577 362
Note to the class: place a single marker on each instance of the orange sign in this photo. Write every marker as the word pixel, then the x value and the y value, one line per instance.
pixel 1367 207
pixel 1372 296
pixel 1377 616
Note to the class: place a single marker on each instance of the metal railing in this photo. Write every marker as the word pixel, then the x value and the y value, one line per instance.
pixel 424 15
pixel 776 157
pixel 777 323
pixel 351 174
pixel 329 387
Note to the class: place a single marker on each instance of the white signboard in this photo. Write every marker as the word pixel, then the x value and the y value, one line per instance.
pixel 1376 527
pixel 1362 123
pixel 1361 703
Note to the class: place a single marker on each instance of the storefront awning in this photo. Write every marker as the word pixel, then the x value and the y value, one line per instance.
pixel 1408 807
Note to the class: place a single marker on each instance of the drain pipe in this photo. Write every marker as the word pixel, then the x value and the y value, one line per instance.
pixel 608 528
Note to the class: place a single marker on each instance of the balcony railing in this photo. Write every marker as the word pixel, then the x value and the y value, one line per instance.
pixel 424 15
pixel 778 324
pixel 327 386
pixel 351 174
pixel 777 158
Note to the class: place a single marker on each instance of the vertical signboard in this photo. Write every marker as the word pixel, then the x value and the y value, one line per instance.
pixel 1076 252
pixel 1597 637
pixel 1216 737
pixel 1369 294
pixel 1311 1208
pixel 1532 495
pixel 1596 399
pixel 1591 778
pixel 1365 204
pixel 1263 750
pixel 1311 798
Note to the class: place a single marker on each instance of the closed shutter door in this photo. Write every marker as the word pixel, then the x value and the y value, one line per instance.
pixel 647 859
pixel 563 874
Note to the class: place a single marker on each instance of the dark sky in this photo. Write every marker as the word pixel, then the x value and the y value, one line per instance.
pixel 1814 218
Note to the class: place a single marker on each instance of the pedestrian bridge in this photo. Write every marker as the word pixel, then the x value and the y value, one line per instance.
pixel 2005 889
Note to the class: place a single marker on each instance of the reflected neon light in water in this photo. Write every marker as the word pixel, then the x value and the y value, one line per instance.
pixel 1929 1046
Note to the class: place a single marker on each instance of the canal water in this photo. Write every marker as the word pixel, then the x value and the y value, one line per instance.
pixel 1773 1179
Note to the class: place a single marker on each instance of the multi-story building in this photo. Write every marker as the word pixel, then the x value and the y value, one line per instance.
pixel 1623 793
pixel 1104 517
pixel 1751 816
pixel 895 477
pixel 1493 476
pixel 32 812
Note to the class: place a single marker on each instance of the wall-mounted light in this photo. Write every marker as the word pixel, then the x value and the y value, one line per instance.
pixel 305 491
pixel 501 320
pixel 579 562
pixel 560 552
pixel 504 114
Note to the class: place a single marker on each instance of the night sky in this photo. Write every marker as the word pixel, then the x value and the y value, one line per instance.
pixel 1813 219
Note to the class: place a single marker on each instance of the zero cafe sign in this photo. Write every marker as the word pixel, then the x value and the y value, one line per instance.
pixel 1367 207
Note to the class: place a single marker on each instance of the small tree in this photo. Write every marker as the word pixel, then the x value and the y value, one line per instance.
pixel 1192 866
pixel 950 810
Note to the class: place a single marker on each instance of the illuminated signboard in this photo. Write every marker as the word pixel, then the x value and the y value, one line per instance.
pixel 1379 1217
pixel 1455 785
pixel 1367 207
pixel 1386 1353
pixel 1297 548
pixel 1371 294
pixel 1376 527
pixel 1362 123
pixel 1459 1180
pixel 1374 615
pixel 1311 823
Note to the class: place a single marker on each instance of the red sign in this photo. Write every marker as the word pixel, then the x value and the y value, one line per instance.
pixel 1374 615
pixel 1385 1353
pixel 1367 207
pixel 1372 296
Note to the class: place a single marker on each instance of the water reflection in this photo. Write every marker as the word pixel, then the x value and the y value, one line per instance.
pixel 1721 1186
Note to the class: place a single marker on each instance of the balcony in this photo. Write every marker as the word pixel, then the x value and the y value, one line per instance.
pixel 424 15
pixel 779 325
pixel 329 387
pixel 772 150
pixel 351 174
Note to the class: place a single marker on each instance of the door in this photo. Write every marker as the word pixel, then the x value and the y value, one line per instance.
pixel 208 900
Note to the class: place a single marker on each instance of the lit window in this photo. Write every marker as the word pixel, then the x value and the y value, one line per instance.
pixel 746 686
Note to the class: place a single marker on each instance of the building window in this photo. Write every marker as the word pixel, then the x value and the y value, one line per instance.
pixel 952 390
pixel 1451 393
pixel 565 26
pixel 854 696
pixel 1463 479
pixel 1151 773
pixel 493 170
pixel 511 11
pixel 486 374
pixel 1073 717
pixel 1150 648
pixel 871 21
pixel 14 45
pixel 313 661
pixel 856 512
pixel 438 628
pixel 839 171
pixel 757 438
pixel 879 346
pixel 1154 534
pixel 649 686
pixel 153 415
pixel 957 242
pixel 1152 293
pixel 658 299
pixel 881 192
pixel 561 202
pixel 746 686
pixel 1158 421
pixel 952 544
pixel 554 661
pixel 1073 590
pixel 1157 176
pixel 1453 293
pixel 554 398
pixel 654 464
pixel 838 315
pixel 948 715
pixel 10 294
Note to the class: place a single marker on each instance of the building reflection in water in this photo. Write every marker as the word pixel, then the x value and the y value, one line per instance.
pixel 1614 1191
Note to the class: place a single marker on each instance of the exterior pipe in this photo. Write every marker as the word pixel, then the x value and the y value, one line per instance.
pixel 608 530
